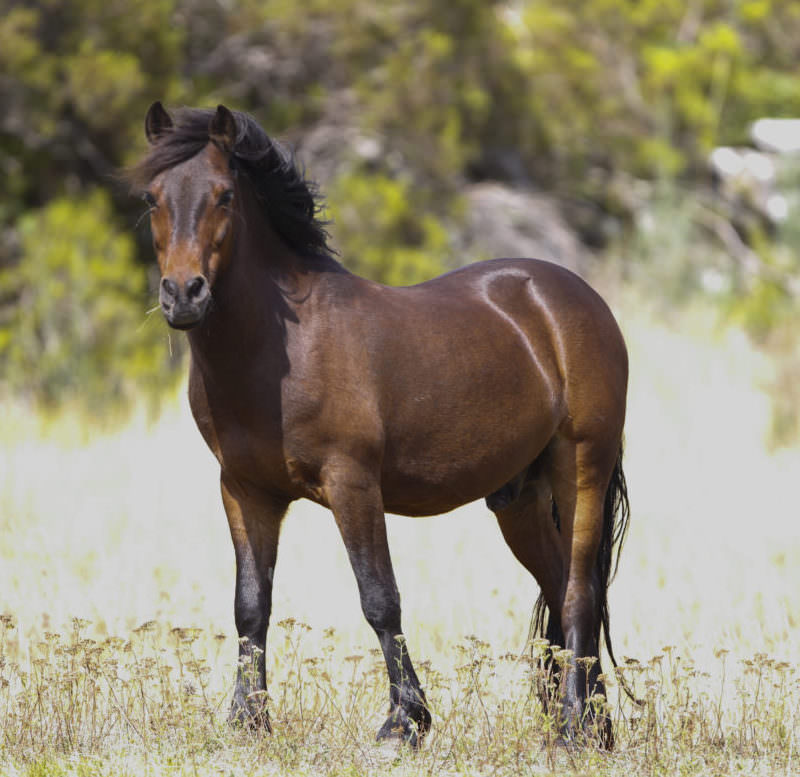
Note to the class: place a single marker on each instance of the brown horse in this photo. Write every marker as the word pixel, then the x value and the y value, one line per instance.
pixel 504 380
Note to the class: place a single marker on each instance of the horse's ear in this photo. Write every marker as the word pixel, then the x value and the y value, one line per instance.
pixel 157 122
pixel 222 129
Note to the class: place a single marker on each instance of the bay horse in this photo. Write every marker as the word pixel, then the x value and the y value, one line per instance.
pixel 504 380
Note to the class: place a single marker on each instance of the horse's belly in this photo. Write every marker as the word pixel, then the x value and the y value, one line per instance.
pixel 450 464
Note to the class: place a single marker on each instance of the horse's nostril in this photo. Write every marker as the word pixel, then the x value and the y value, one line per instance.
pixel 196 287
pixel 169 287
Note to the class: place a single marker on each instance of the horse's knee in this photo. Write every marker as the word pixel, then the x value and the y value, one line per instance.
pixel 250 613
pixel 381 608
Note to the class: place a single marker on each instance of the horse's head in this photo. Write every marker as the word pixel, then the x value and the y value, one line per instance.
pixel 191 214
pixel 207 174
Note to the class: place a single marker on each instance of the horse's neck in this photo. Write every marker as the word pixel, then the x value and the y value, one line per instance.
pixel 260 295
pixel 241 322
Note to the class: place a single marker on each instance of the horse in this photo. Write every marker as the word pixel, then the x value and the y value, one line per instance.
pixel 504 380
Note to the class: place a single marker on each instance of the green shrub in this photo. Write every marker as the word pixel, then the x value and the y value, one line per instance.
pixel 384 232
pixel 73 310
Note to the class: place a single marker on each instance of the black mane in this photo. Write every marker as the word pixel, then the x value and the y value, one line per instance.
pixel 289 200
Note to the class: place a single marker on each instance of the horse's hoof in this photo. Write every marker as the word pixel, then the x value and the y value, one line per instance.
pixel 560 743
pixel 601 738
pixel 602 735
pixel 253 717
pixel 400 726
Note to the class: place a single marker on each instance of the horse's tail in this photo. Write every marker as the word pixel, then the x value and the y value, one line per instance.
pixel 616 516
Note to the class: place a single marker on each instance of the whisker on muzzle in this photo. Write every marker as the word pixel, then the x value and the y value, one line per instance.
pixel 147 315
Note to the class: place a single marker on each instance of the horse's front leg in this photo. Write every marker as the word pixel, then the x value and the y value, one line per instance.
pixel 254 519
pixel 357 504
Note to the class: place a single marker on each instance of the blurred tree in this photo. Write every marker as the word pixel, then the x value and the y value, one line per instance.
pixel 602 104
pixel 399 244
pixel 74 73
pixel 73 310
pixel 645 87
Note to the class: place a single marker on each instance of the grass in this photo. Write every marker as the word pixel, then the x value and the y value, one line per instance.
pixel 117 653
pixel 154 703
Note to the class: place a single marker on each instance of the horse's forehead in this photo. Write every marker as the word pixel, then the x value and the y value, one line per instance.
pixel 187 181
pixel 189 187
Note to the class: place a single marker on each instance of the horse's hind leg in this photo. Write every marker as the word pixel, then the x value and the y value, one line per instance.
pixel 579 475
pixel 529 528
pixel 531 533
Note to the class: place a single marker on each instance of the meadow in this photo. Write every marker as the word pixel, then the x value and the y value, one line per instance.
pixel 117 644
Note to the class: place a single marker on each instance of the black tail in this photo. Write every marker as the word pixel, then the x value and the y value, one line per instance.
pixel 616 515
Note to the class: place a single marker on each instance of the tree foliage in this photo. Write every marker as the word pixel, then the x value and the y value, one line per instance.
pixel 396 245
pixel 79 306
pixel 397 107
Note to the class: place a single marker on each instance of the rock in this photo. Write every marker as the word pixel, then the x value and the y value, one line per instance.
pixel 508 222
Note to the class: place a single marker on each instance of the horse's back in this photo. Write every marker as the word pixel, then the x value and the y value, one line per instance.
pixel 568 329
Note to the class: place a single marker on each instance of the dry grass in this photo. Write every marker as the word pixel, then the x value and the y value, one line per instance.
pixel 124 529
pixel 154 703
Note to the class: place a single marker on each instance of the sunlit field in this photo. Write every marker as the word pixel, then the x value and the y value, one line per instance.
pixel 124 531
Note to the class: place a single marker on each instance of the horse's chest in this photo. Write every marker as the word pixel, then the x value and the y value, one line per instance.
pixel 245 439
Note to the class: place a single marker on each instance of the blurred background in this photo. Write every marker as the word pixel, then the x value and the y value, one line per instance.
pixel 632 141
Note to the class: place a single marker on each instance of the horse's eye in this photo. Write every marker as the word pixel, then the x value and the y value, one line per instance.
pixel 149 200
pixel 226 198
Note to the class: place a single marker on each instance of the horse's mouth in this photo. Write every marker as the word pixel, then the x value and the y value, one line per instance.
pixel 185 317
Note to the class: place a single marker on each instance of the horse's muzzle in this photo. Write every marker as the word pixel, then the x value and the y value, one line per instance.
pixel 185 304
